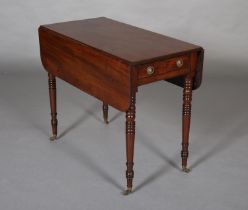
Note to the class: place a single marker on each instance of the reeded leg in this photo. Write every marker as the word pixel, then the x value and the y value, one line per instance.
pixel 105 112
pixel 130 136
pixel 187 97
pixel 52 94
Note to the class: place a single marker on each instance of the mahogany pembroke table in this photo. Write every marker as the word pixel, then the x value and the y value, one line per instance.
pixel 110 60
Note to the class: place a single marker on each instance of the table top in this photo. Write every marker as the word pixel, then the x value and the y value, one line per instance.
pixel 128 43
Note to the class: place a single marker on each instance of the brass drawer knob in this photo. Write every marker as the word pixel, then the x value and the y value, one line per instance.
pixel 150 70
pixel 179 63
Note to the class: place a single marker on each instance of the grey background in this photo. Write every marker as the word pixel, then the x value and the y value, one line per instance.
pixel 84 169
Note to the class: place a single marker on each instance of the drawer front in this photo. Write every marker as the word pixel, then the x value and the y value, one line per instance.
pixel 165 69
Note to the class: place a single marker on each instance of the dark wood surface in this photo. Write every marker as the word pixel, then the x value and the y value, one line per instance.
pixel 110 60
pixel 105 112
pixel 130 137
pixel 187 97
pixel 106 76
pixel 89 70
pixel 131 44
pixel 164 69
pixel 53 105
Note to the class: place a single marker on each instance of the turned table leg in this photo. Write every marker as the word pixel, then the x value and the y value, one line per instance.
pixel 130 136
pixel 187 97
pixel 52 94
pixel 105 112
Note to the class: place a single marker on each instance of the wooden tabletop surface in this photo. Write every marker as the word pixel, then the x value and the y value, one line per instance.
pixel 128 43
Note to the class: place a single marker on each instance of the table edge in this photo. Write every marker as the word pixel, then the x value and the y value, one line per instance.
pixel 122 60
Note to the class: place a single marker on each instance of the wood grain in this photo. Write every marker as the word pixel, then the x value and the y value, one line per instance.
pixel 128 43
pixel 91 71
pixel 163 69
pixel 109 60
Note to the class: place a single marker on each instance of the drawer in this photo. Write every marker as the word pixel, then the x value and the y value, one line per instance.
pixel 164 69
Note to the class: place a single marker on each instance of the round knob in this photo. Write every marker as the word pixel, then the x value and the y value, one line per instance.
pixel 150 70
pixel 179 63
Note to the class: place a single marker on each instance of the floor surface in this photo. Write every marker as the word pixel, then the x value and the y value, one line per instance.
pixel 85 167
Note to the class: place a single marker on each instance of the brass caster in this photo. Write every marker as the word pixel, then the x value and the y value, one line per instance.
pixel 106 121
pixel 185 169
pixel 53 137
pixel 127 191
